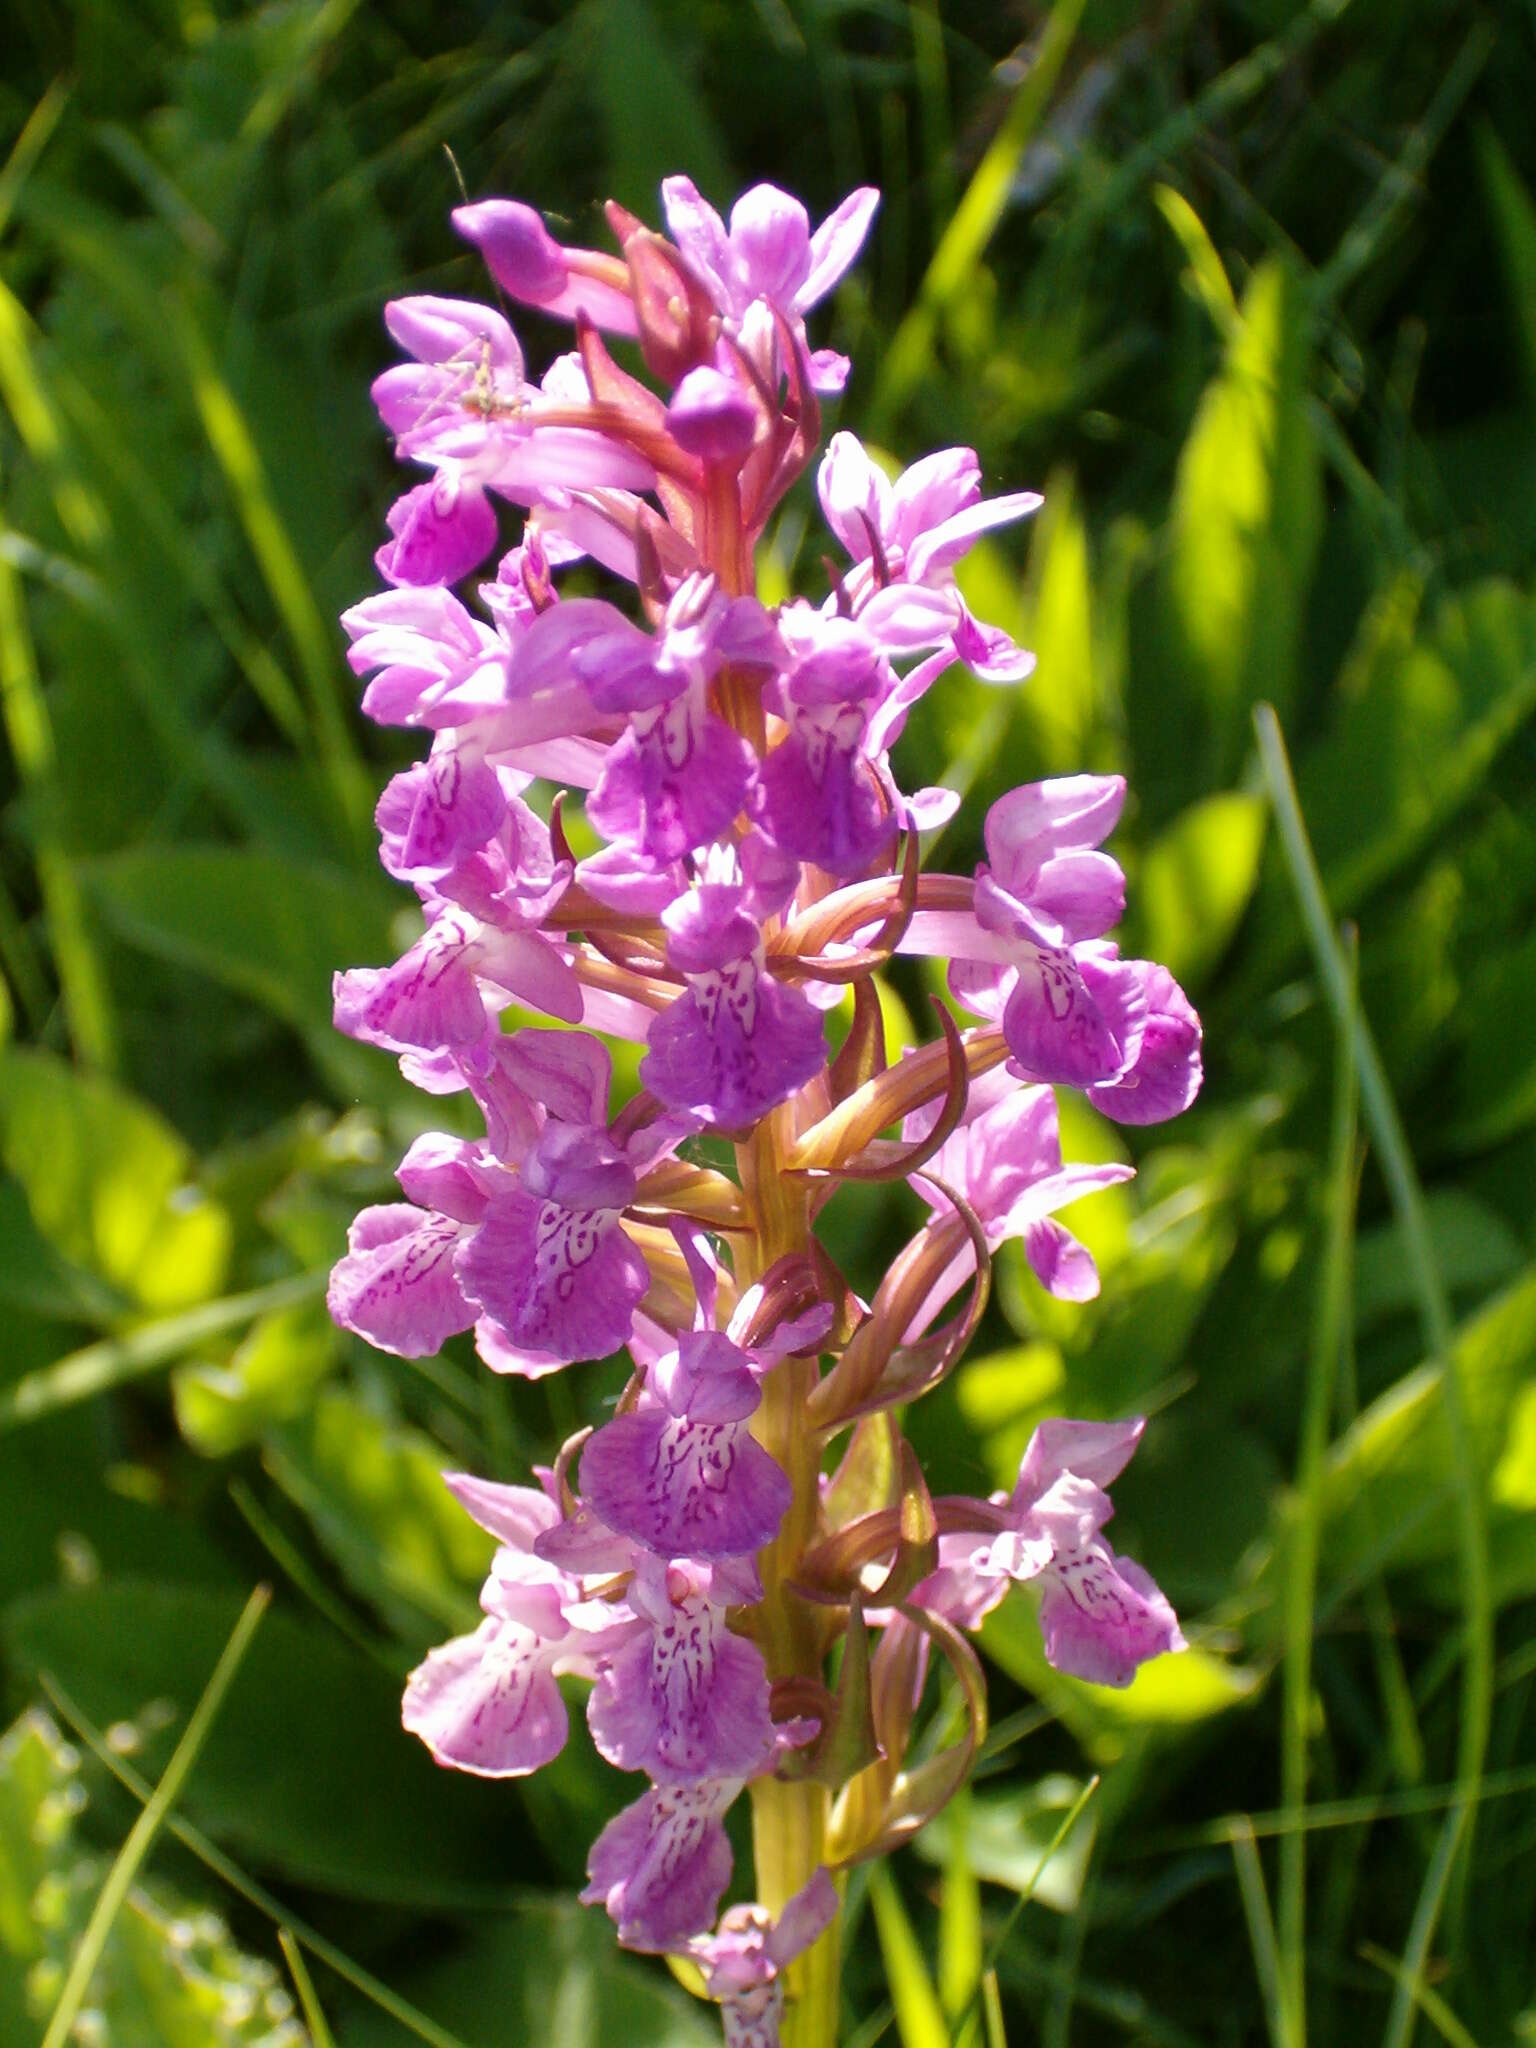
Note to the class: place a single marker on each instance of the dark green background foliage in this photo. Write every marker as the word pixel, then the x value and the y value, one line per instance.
pixel 1250 291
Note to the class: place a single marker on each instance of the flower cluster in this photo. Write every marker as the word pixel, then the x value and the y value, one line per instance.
pixel 755 861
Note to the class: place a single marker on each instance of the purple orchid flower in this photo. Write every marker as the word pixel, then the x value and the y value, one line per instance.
pixel 915 530
pixel 1102 1615
pixel 531 266
pixel 680 774
pixel 660 1866
pixel 682 1473
pixel 735 760
pixel 1005 1162
pixel 769 254
pixel 433 994
pixel 744 1961
pixel 396 1284
pixel 737 1041
pixel 550 1263
pixel 489 1703
pixel 684 1697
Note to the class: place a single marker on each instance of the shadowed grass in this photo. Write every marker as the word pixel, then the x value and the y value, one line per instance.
pixel 126 1864
pixel 247 1888
pixel 1402 1180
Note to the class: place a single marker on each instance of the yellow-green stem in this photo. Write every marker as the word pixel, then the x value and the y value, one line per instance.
pixel 789 1819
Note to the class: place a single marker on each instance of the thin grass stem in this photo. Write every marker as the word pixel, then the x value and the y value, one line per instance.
pixel 1401 1176
pixel 126 1864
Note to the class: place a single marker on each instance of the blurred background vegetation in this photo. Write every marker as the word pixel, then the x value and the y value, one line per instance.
pixel 1250 290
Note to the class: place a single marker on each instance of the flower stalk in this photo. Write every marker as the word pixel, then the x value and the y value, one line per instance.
pixel 699 1554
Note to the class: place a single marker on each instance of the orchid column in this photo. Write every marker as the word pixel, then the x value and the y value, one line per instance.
pixel 744 1560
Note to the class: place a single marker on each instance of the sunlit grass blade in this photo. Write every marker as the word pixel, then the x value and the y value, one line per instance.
pixel 1206 273
pixel 1401 1176
pixel 960 1957
pixel 36 134
pixel 28 728
pixel 31 409
pixel 170 336
pixel 235 450
pixel 1261 1934
pixel 992 2011
pixel 982 205
pixel 115 452
pixel 1328 1339
pixel 114 1360
pixel 919 2015
pixel 254 1894
pixel 319 2032
pixel 141 1835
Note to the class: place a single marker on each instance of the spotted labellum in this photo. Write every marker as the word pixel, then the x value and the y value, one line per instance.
pixel 753 864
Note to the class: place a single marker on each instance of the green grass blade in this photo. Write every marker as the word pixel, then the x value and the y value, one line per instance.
pixel 27 400
pixel 1261 1934
pixel 982 205
pixel 872 2030
pixel 214 1859
pixel 82 985
pixel 992 2011
pixel 1328 1338
pixel 36 134
pixel 296 1568
pixel 1364 1811
pixel 1428 2000
pixel 1407 1197
pixel 114 1360
pixel 919 2015
pixel 142 1834
pixel 314 640
pixel 1000 1940
pixel 1421 1933
pixel 960 1920
pixel 319 2033
pixel 1402 183
pixel 114 451
pixel 1205 272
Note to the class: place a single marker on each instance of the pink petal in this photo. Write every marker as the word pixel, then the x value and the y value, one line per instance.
pixel 732 1046
pixel 1041 818
pixel 1071 1019
pixel 771 239
pixel 1165 1076
pixel 487 1703
pixel 835 245
pixel 396 1284
pixel 700 234
pixel 684 1489
pixel 687 1701
pixel 1096 1451
pixel 436 330
pixel 660 1866
pixel 515 1515
pixel 440 532
pixel 559 1282
pixel 1102 1616
pixel 1062 1265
